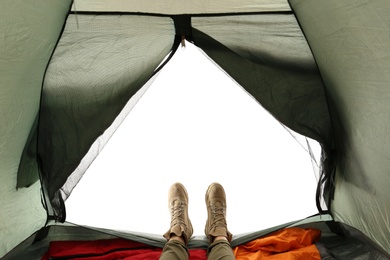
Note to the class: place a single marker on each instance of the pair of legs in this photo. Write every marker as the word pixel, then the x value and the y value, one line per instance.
pixel 181 230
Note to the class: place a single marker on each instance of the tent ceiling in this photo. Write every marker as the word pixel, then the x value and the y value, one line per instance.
pixel 172 7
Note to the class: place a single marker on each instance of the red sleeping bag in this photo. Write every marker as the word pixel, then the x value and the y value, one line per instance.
pixel 108 249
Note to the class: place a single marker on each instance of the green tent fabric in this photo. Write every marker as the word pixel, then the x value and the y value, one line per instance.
pixel 67 70
pixel 29 33
pixel 352 54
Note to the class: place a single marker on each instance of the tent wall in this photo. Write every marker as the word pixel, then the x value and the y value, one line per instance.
pixel 351 43
pixel 29 32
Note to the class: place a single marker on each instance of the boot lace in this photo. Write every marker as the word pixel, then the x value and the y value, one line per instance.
pixel 177 213
pixel 218 213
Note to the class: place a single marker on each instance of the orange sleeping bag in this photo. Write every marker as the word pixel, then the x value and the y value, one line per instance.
pixel 285 244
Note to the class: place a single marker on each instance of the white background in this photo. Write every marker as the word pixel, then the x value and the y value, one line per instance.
pixel 196 126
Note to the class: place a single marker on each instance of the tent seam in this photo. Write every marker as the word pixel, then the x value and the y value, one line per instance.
pixel 171 15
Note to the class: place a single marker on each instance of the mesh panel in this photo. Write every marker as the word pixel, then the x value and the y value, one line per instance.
pixel 100 143
pixel 280 71
pixel 268 56
pixel 100 62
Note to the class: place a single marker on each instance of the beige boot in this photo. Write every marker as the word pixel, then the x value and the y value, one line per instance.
pixel 216 212
pixel 178 205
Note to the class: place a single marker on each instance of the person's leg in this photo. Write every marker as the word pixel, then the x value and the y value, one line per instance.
pixel 216 227
pixel 220 250
pixel 181 230
pixel 174 249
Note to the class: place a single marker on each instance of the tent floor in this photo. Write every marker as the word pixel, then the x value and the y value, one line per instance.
pixel 350 245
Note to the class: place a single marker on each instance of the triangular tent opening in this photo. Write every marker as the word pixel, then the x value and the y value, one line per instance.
pixel 195 125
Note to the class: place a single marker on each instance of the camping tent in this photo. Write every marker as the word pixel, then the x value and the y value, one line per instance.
pixel 68 71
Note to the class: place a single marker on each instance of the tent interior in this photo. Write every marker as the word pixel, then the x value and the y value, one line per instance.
pixel 70 73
